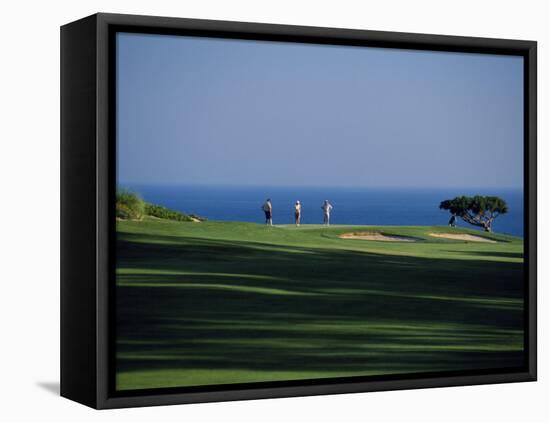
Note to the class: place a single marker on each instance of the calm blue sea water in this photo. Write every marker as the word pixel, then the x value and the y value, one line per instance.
pixel 351 205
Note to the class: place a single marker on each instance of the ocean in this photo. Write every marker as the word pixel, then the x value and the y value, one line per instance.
pixel 359 206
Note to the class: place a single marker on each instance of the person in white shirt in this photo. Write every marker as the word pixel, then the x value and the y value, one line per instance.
pixel 326 207
pixel 297 212
pixel 268 210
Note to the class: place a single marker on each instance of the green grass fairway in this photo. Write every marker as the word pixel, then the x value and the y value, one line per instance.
pixel 229 302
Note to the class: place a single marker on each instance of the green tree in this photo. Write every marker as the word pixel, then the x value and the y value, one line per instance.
pixel 478 210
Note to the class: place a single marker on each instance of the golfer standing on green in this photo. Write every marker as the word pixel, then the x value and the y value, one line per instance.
pixel 326 207
pixel 297 213
pixel 268 210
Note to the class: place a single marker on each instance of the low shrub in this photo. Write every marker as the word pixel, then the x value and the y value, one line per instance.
pixel 129 205
pixel 166 213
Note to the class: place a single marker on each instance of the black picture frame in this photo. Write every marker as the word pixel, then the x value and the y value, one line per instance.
pixel 88 192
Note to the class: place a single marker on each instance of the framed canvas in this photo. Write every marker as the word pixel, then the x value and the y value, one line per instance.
pixel 256 211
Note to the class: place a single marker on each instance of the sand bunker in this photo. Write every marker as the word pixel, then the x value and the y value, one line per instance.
pixel 371 236
pixel 462 237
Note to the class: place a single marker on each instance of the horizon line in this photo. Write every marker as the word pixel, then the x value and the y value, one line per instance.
pixel 267 186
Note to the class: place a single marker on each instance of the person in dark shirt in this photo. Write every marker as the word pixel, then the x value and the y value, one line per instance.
pixel 452 221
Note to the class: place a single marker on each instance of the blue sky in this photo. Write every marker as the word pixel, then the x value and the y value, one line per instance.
pixel 212 111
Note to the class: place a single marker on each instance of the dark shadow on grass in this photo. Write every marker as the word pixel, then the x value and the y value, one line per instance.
pixel 505 254
pixel 224 307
